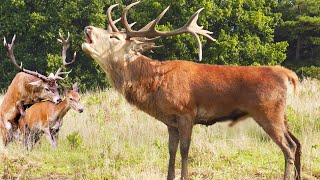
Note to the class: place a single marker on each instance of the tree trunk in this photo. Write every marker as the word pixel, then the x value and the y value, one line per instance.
pixel 298 48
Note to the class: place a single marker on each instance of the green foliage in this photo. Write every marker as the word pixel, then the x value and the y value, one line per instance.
pixel 312 71
pixel 301 28
pixel 37 23
pixel 244 31
pixel 74 140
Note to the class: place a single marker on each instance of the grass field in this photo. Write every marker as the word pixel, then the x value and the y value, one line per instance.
pixel 113 140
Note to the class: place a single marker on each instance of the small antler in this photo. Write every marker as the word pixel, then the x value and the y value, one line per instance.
pixel 63 54
pixel 10 54
pixel 149 31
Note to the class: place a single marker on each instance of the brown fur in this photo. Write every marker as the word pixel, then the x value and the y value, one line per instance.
pixel 47 117
pixel 182 94
pixel 175 91
pixel 21 93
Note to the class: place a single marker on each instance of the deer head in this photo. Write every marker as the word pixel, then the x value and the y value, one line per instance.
pixel 110 45
pixel 46 87
pixel 73 98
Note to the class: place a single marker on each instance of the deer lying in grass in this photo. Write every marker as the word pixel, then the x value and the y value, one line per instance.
pixel 27 88
pixel 47 117
pixel 182 93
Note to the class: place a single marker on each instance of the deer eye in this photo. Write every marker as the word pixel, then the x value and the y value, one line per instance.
pixel 71 99
pixel 113 36
pixel 47 89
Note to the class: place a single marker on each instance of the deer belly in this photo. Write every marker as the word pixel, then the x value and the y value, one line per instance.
pixel 206 118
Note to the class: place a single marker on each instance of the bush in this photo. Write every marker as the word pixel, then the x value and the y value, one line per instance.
pixel 74 139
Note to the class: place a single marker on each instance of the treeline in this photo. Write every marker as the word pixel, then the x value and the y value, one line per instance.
pixel 248 32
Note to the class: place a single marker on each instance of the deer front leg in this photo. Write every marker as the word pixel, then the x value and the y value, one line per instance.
pixel 185 131
pixel 19 106
pixel 50 138
pixel 4 133
pixel 173 146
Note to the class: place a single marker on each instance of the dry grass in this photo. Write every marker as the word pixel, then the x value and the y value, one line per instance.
pixel 117 141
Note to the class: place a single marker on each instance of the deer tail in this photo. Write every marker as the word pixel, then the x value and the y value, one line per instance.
pixel 292 78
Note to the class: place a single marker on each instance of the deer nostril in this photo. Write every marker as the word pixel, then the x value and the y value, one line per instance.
pixel 59 100
pixel 80 110
pixel 87 29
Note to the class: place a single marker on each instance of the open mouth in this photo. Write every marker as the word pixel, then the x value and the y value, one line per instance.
pixel 89 40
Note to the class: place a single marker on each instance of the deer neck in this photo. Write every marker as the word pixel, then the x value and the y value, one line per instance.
pixel 130 71
pixel 138 79
pixel 61 109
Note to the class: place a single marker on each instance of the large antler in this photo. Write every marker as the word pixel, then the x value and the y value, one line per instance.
pixel 63 54
pixel 149 31
pixel 112 27
pixel 10 54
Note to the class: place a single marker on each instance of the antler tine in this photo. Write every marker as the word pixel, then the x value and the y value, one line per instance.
pixel 152 27
pixel 147 31
pixel 146 27
pixel 112 23
pixel 64 43
pixel 10 54
pixel 64 49
pixel 124 17
pixel 192 27
pixel 58 73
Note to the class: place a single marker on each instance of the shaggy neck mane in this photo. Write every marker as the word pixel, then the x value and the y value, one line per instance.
pixel 138 79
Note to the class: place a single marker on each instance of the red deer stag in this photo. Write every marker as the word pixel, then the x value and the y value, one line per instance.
pixel 27 88
pixel 182 93
pixel 47 117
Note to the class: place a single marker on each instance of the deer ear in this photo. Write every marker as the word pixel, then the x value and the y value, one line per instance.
pixel 75 86
pixel 36 83
pixel 64 88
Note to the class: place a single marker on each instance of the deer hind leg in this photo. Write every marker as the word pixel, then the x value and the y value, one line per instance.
pixel 185 132
pixel 5 135
pixel 297 160
pixel 173 146
pixel 21 109
pixel 276 129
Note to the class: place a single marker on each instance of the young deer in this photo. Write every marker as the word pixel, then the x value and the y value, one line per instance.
pixel 47 117
pixel 182 94
pixel 27 88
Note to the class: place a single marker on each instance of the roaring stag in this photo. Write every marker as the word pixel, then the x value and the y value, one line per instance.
pixel 47 118
pixel 27 88
pixel 182 94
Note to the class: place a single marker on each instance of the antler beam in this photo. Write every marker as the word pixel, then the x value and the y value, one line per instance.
pixel 9 48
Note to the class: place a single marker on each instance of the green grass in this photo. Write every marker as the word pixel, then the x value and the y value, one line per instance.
pixel 113 140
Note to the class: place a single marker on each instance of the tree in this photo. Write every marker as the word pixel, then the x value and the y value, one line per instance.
pixel 301 28
pixel 244 30
pixel 37 23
